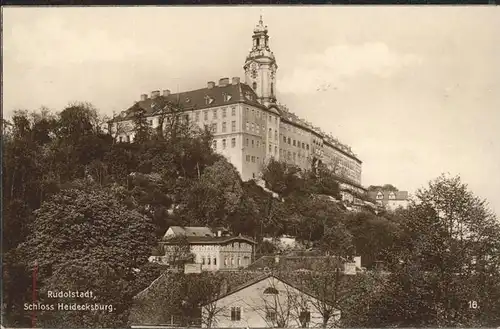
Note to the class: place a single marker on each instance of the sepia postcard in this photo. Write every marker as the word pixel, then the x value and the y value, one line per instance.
pixel 251 167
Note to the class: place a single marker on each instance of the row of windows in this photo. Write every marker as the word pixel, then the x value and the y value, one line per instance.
pixel 296 143
pixel 224 143
pixel 292 155
pixel 261 115
pixel 214 126
pixel 227 261
pixel 215 114
pixel 252 158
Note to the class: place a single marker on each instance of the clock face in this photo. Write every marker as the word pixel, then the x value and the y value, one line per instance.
pixel 254 73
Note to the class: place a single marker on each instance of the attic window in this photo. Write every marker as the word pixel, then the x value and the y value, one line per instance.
pixel 227 97
pixel 208 100
pixel 153 105
pixel 271 291
pixel 248 95
pixel 188 100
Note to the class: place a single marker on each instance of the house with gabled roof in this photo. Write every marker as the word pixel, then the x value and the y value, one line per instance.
pixel 213 249
pixel 390 200
pixel 267 301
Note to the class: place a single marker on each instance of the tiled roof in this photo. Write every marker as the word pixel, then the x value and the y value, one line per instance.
pixel 192 231
pixel 194 99
pixel 214 239
pixel 399 195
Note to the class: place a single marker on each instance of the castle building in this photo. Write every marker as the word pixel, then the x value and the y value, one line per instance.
pixel 249 125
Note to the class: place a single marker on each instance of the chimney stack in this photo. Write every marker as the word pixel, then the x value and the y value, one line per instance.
pixel 223 82
pixel 210 84
pixel 144 97
pixel 166 92
pixel 155 93
pixel 236 80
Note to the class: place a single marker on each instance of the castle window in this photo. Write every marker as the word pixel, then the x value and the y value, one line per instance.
pixel 214 127
pixel 224 143
pixel 233 125
pixel 205 115
pixel 224 127
pixel 233 111
pixel 197 116
pixel 214 145
pixel 233 142
pixel 224 112
pixel 247 125
pixel 253 143
pixel 270 132
pixel 272 88
pixel 284 139
pixel 215 261
pixel 248 158
pixel 258 143
pixel 215 114
pixel 275 135
pixel 253 159
pixel 270 147
pixel 258 42
pixel 275 150
pixel 289 140
pixel 254 85
pixel 246 142
pixel 294 142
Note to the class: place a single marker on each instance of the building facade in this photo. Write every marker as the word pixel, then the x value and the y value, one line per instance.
pixel 213 251
pixel 390 200
pixel 249 125
pixel 267 302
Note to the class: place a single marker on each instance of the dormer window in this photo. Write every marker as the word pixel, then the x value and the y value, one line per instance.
pixel 254 85
pixel 380 196
pixel 208 100
pixel 227 97
pixel 188 100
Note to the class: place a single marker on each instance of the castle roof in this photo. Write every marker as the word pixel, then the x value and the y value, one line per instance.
pixel 217 95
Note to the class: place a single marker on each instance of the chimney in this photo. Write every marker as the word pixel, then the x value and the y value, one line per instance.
pixel 236 80
pixel 223 82
pixel 155 93
pixel 144 97
pixel 210 84
pixel 166 92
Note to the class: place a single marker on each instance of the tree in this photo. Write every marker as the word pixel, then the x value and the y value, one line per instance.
pixel 142 129
pixel 84 239
pixel 178 251
pixel 450 239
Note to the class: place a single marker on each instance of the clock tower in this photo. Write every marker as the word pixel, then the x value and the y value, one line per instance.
pixel 260 66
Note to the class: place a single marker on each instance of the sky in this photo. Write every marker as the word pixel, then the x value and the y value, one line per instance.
pixel 414 90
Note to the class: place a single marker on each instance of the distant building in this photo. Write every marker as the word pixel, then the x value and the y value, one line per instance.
pixel 212 249
pixel 267 302
pixel 390 200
